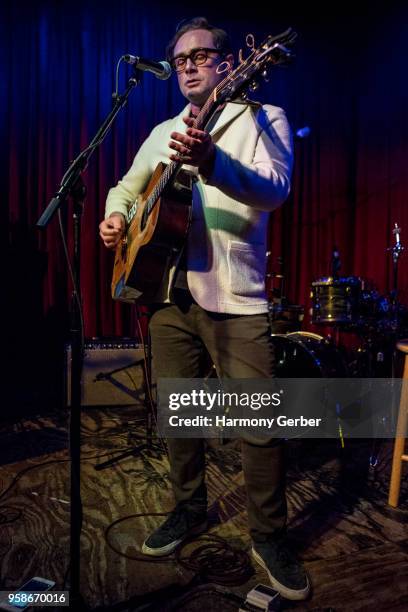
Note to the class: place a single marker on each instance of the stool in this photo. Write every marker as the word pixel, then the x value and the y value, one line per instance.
pixel 401 432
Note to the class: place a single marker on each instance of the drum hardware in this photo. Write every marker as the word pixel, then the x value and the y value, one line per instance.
pixel 352 304
pixel 395 315
pixel 307 355
pixel 396 250
pixel 383 313
pixel 336 300
pixel 275 293
pixel 284 316
pixel 335 262
pixel 350 301
pixel 286 312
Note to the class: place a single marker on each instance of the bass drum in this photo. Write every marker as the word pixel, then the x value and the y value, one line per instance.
pixel 307 355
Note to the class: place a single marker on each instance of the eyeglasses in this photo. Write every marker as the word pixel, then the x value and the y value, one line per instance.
pixel 198 57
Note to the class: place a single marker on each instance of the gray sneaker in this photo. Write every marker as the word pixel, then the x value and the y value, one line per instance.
pixel 285 570
pixel 182 523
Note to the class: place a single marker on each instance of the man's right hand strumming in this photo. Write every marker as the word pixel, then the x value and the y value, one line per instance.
pixel 112 229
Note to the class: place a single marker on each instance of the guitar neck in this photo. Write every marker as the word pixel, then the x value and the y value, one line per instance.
pixel 171 169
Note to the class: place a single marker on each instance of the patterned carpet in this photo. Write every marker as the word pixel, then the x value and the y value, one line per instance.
pixel 354 545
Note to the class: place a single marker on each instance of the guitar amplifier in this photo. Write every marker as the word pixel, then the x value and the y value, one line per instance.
pixel 113 373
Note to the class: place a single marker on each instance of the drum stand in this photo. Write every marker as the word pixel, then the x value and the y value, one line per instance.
pixel 284 317
pixel 396 253
pixel 393 326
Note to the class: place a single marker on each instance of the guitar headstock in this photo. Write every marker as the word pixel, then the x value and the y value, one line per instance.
pixel 273 51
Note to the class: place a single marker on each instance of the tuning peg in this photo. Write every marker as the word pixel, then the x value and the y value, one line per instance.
pixel 223 67
pixel 250 41
pixel 240 57
pixel 244 95
pixel 254 86
pixel 265 75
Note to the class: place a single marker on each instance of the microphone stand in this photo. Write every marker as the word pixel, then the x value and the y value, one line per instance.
pixel 73 186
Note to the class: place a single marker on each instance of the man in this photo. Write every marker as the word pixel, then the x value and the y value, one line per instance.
pixel 215 298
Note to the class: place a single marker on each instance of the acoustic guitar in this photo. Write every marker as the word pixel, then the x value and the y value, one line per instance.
pixel 158 222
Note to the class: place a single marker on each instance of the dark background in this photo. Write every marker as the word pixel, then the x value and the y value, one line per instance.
pixel 57 73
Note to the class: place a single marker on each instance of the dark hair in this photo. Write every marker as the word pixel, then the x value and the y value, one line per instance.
pixel 221 39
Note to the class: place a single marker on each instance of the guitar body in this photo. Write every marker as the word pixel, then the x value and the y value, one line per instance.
pixel 145 255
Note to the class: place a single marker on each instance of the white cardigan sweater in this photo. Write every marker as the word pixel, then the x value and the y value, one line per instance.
pixel 226 247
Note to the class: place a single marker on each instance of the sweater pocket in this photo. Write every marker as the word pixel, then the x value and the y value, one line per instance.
pixel 246 268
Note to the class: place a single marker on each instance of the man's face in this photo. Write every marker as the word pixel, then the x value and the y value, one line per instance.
pixel 197 82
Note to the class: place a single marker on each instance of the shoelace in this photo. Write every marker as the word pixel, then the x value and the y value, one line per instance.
pixel 174 519
pixel 287 558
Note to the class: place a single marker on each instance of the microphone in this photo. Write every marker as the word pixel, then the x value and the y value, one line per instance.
pixel 160 69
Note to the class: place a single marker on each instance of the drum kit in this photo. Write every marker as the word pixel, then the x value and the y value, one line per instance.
pixel 341 306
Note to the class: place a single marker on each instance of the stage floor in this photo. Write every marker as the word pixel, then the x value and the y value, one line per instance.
pixel 354 545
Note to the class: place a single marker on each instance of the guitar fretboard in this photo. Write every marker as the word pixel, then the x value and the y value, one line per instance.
pixel 202 118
